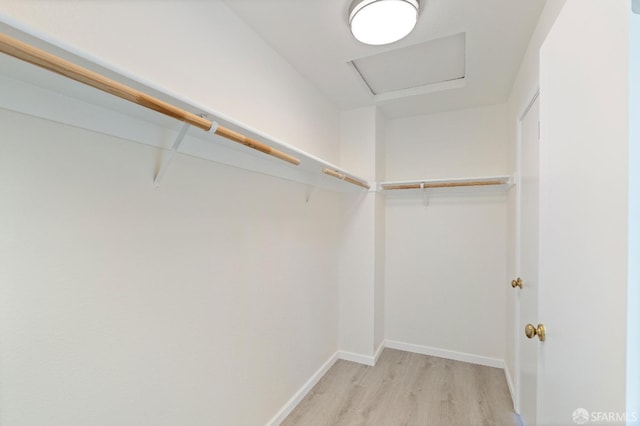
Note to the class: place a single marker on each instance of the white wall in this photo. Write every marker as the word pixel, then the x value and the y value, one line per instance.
pixel 445 262
pixel 213 299
pixel 633 307
pixel 362 238
pixel 210 300
pixel 380 242
pixel 357 274
pixel 584 148
pixel 199 50
pixel 463 143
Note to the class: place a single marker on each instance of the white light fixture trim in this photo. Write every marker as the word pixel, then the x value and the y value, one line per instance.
pixel 380 22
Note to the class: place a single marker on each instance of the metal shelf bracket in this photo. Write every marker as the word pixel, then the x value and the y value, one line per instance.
pixel 174 148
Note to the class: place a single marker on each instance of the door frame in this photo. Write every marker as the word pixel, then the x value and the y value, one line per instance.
pixel 517 240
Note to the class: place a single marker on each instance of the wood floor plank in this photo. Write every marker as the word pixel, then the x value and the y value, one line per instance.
pixel 407 389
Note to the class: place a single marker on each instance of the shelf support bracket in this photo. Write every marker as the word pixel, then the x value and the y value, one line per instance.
pixel 174 149
pixel 424 194
pixel 310 191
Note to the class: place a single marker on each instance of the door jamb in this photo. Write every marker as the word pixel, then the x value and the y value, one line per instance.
pixel 518 236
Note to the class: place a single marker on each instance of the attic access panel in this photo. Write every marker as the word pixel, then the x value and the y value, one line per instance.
pixel 423 64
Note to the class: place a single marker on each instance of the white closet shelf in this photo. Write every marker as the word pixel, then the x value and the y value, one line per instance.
pixel 35 91
pixel 485 183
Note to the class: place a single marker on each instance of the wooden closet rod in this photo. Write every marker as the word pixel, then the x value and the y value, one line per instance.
pixel 252 143
pixel 342 176
pixel 35 56
pixel 443 184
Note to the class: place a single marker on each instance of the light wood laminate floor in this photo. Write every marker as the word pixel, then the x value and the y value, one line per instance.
pixel 407 389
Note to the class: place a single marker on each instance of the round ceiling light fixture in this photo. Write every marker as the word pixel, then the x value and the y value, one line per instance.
pixel 380 22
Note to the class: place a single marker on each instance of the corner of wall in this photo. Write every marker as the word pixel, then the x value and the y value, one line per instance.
pixel 633 297
pixel 362 291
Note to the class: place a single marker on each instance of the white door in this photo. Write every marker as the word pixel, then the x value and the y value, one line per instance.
pixel 573 229
pixel 583 255
pixel 528 271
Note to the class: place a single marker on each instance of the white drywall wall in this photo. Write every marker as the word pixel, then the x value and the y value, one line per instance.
pixel 197 49
pixel 208 301
pixel 446 262
pixel 463 143
pixel 357 235
pixel 633 306
pixel 362 237
pixel 380 234
pixel 213 299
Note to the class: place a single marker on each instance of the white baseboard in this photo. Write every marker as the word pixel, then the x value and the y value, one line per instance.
pixel 507 376
pixel 444 353
pixel 378 353
pixel 302 392
pixel 360 359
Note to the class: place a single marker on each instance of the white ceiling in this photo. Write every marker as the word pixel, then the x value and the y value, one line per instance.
pixel 432 62
pixel 313 35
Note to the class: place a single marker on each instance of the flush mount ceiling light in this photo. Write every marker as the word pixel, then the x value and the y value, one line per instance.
pixel 382 21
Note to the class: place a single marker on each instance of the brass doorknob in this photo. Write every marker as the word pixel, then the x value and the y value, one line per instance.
pixel 517 283
pixel 531 331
